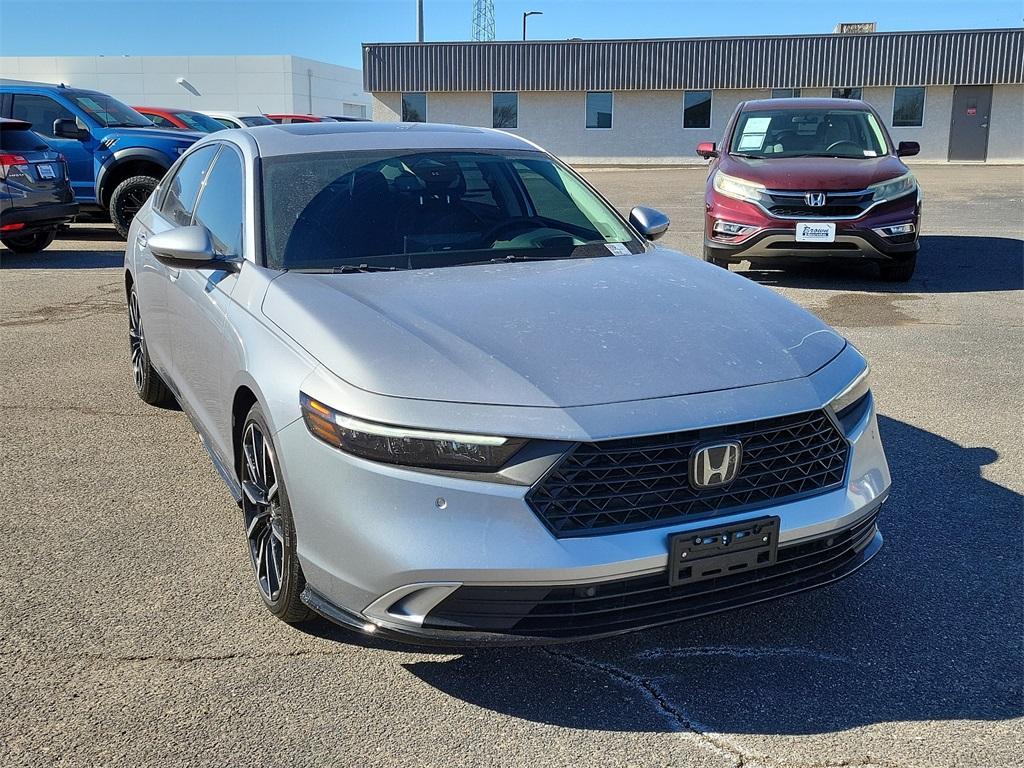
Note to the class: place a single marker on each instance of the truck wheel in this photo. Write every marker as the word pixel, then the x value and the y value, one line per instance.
pixel 128 197
pixel 33 242
pixel 899 271
pixel 710 258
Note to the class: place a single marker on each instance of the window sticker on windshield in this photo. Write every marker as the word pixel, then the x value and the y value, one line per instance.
pixel 751 141
pixel 870 153
pixel 757 125
pixel 617 249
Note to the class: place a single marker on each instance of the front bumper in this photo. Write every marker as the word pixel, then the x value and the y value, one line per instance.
pixel 382 547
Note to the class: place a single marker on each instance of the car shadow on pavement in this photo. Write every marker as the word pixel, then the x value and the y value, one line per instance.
pixel 946 264
pixel 57 257
pixel 930 630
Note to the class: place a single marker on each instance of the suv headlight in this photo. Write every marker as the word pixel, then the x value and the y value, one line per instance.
pixel 852 394
pixel 406 445
pixel 737 188
pixel 893 188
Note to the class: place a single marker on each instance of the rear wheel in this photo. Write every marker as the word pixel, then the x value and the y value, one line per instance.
pixel 32 242
pixel 126 200
pixel 898 271
pixel 148 384
pixel 269 526
pixel 710 258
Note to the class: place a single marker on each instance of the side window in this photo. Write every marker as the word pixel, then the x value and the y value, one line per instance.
pixel 41 111
pixel 183 189
pixel 162 121
pixel 225 122
pixel 220 204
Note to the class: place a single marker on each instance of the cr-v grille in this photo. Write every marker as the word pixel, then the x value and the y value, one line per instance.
pixel 793 204
pixel 614 485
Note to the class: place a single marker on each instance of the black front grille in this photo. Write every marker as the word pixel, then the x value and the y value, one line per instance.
pixel 837 204
pixel 614 606
pixel 615 485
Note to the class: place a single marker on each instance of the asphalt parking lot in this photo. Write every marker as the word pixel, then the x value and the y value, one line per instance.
pixel 132 635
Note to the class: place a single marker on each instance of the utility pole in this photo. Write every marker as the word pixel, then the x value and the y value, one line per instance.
pixel 526 15
pixel 419 21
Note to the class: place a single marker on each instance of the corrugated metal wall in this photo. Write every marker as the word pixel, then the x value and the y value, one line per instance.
pixel 975 57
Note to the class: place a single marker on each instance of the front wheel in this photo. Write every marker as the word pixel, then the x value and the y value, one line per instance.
pixel 127 199
pixel 148 384
pixel 898 271
pixel 269 526
pixel 32 242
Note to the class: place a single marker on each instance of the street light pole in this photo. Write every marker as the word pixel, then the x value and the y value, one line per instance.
pixel 528 14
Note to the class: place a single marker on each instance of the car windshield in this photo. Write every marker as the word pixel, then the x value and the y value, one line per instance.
pixel 199 122
pixel 432 209
pixel 108 111
pixel 808 133
pixel 251 120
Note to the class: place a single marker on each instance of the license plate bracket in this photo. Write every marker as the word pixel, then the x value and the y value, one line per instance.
pixel 46 171
pixel 723 550
pixel 815 232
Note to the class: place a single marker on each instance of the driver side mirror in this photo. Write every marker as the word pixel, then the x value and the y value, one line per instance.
pixel 650 222
pixel 706 149
pixel 188 248
pixel 67 128
pixel 907 148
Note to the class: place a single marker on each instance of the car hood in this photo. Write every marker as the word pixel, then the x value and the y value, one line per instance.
pixel 183 137
pixel 815 173
pixel 556 334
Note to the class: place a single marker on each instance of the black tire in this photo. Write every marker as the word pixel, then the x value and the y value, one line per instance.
pixel 268 523
pixel 710 258
pixel 32 242
pixel 898 271
pixel 126 200
pixel 148 384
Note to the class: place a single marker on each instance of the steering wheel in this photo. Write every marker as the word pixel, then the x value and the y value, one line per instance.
pixel 841 142
pixel 522 222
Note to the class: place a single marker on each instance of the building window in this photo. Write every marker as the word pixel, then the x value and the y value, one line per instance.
pixel 414 107
pixel 785 93
pixel 599 109
pixel 908 107
pixel 696 109
pixel 846 93
pixel 505 110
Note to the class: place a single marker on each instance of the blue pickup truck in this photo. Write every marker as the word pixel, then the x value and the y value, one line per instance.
pixel 115 156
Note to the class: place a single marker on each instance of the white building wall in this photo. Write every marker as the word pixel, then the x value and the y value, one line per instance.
pixel 932 134
pixel 264 83
pixel 1006 124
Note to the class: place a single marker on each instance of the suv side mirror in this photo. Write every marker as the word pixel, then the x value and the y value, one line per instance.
pixel 908 148
pixel 706 149
pixel 67 128
pixel 188 248
pixel 650 222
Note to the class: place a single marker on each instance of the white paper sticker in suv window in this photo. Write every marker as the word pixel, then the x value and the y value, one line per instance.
pixel 617 249
pixel 870 153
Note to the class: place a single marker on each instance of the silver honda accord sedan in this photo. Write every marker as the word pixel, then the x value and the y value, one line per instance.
pixel 459 399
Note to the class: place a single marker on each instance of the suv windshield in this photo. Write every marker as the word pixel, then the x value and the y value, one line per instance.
pixel 199 122
pixel 808 133
pixel 255 120
pixel 108 111
pixel 431 209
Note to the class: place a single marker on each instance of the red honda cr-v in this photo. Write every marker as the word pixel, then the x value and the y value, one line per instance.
pixel 807 179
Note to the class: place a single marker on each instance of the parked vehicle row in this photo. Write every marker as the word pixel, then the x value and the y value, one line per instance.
pixel 459 398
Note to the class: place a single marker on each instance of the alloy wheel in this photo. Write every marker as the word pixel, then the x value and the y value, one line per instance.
pixel 264 528
pixel 136 341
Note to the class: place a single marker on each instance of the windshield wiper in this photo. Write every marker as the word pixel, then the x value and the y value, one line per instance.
pixel 346 269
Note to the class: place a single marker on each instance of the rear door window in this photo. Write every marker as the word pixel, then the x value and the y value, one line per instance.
pixel 183 189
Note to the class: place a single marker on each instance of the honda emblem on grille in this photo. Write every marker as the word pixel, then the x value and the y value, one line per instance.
pixel 715 465
pixel 815 199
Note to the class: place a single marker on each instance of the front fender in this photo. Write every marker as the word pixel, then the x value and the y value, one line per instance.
pixel 121 156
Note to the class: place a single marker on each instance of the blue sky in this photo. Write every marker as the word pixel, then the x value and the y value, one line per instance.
pixel 332 30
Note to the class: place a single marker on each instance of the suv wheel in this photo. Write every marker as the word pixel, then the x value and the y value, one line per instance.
pixel 898 271
pixel 710 258
pixel 269 526
pixel 33 242
pixel 128 197
pixel 148 384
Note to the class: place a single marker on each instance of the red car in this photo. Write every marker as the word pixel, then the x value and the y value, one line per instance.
pixel 181 119
pixel 811 179
pixel 300 119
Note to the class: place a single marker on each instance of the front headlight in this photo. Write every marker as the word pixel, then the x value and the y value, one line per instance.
pixel 737 188
pixel 405 445
pixel 852 395
pixel 893 188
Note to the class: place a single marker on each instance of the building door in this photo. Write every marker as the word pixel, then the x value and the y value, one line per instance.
pixel 968 131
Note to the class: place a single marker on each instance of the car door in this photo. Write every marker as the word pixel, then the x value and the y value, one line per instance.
pixel 172 207
pixel 198 300
pixel 41 111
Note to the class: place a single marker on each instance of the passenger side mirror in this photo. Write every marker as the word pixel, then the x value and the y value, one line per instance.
pixel 650 222
pixel 67 128
pixel 706 149
pixel 188 248
pixel 908 148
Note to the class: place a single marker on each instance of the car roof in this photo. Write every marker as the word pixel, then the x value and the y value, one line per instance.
pixel 230 113
pixel 758 105
pixel 306 138
pixel 170 110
